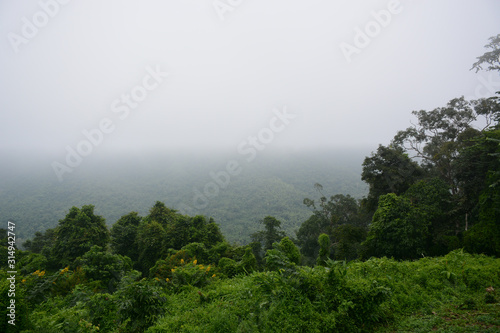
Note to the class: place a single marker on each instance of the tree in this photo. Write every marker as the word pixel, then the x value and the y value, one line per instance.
pixel 213 235
pixel 483 163
pixel 402 225
pixel 307 237
pixel 151 239
pixel 290 250
pixel 389 170
pixel 338 209
pixel 162 214
pixel 103 266
pixel 349 238
pixel 270 234
pixel 324 249
pixel 77 233
pixel 484 236
pixel 395 230
pixel 333 217
pixel 184 230
pixel 283 255
pixel 42 242
pixel 123 235
pixel 473 167
pixel 438 139
pixel 491 58
pixel 140 303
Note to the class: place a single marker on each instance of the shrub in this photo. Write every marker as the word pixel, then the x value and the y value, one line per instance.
pixel 104 267
pixel 139 304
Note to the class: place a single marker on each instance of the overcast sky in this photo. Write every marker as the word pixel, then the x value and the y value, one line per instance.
pixel 298 73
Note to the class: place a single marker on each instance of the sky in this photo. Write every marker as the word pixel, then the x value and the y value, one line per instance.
pixel 155 75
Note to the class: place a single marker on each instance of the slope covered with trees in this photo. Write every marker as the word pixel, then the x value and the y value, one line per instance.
pixel 418 253
pixel 274 184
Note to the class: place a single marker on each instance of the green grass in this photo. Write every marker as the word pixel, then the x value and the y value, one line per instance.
pixel 445 294
pixel 451 318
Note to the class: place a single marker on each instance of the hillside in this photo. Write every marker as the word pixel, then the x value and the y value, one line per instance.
pixel 274 184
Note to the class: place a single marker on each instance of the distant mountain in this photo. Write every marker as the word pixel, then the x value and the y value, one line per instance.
pixel 272 184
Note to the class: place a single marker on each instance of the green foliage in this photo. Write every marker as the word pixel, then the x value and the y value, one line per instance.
pixel 401 225
pixel 213 235
pixel 29 262
pixel 140 304
pixel 324 249
pixel 189 274
pixel 396 230
pixel 231 268
pixel 77 233
pixel 440 138
pixel 491 58
pixel 103 311
pixel 475 164
pixel 124 234
pixel 219 250
pixel 53 317
pixel 338 209
pixel 284 255
pixel 348 244
pixel 105 267
pixel 41 242
pixel 165 229
pixel 198 251
pixel 341 218
pixel 42 285
pixel 151 238
pixel 289 249
pixel 270 234
pixel 484 236
pixel 257 252
pixel 389 170
pixel 228 267
pixel 308 234
pixel 12 311
pixel 163 267
pixel 343 296
pixel 162 214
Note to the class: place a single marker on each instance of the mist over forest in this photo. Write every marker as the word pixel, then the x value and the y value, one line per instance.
pixel 116 184
pixel 235 166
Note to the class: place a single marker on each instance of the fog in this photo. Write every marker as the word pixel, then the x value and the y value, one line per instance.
pixel 121 103
pixel 207 74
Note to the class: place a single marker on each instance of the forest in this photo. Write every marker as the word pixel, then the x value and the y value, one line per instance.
pixel 418 253
pixel 278 182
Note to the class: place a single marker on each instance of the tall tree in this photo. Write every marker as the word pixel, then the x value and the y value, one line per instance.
pixel 483 163
pixel 340 218
pixel 270 234
pixel 490 58
pixel 324 249
pixel 484 235
pixel 401 226
pixel 123 235
pixel 307 237
pixel 151 243
pixel 438 139
pixel 77 233
pixel 389 170
pixel 42 242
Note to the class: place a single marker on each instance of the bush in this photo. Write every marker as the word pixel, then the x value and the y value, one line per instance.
pixel 21 306
pixel 139 303
pixel 104 267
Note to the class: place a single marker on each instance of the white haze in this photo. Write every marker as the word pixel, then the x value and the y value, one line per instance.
pixel 227 76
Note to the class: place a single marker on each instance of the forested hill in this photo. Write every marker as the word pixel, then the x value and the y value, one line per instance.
pixel 274 183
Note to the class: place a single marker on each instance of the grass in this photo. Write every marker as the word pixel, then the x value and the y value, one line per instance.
pixel 454 293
